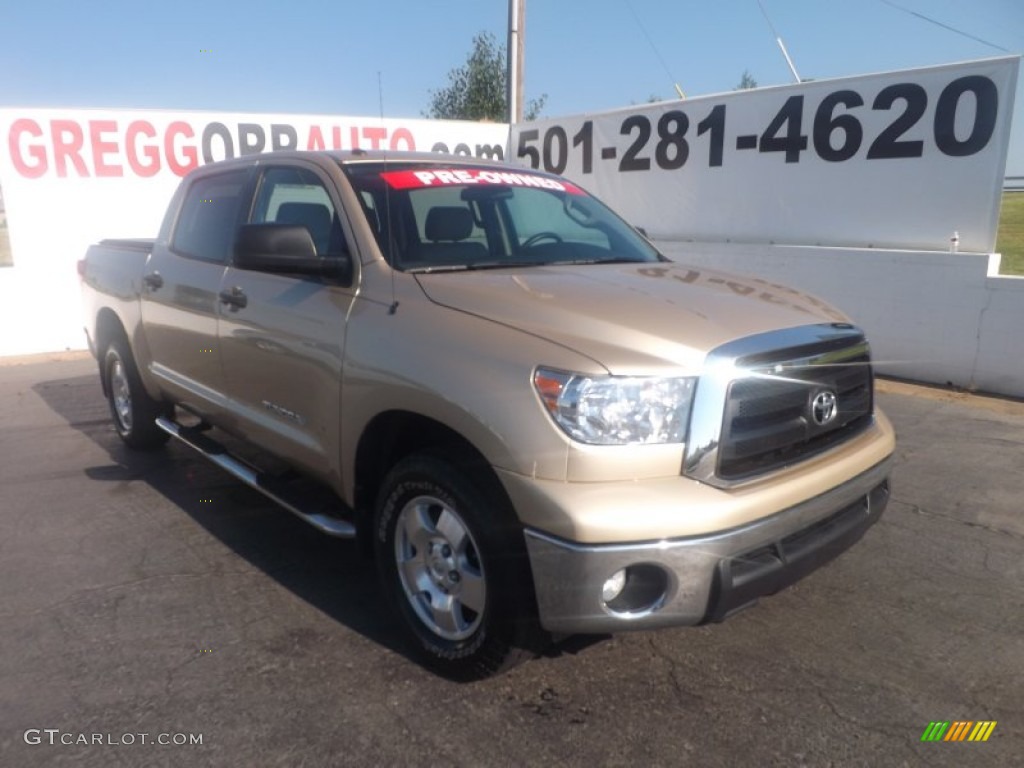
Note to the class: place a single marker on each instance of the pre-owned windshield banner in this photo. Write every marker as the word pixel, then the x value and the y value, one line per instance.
pixel 905 159
pixel 470 177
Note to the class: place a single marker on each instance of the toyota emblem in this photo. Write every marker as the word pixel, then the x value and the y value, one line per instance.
pixel 824 407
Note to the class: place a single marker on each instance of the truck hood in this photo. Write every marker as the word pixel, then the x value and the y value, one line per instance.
pixel 630 318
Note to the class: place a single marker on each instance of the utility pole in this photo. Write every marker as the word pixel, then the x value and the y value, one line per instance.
pixel 514 77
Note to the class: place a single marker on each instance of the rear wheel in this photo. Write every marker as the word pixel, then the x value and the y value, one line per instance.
pixel 452 560
pixel 133 410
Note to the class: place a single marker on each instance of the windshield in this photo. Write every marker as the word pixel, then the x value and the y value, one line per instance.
pixel 431 217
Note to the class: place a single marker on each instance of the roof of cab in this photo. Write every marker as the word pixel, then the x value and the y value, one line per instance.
pixel 350 157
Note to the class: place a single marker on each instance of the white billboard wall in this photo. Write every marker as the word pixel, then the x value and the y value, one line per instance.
pixel 890 164
pixel 71 177
pixel 895 160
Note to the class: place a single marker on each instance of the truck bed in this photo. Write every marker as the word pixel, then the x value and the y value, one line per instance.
pixel 129 243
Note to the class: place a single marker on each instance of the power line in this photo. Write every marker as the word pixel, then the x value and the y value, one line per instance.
pixel 775 32
pixel 778 39
pixel 945 26
pixel 654 48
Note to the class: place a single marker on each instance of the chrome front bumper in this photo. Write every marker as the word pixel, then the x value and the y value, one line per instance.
pixel 697 579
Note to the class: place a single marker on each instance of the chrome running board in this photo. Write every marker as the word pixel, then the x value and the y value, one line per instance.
pixel 273 489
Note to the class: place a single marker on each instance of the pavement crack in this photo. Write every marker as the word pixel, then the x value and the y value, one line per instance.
pixel 683 694
pixel 919 510
pixel 127 585
pixel 902 738
pixel 444 754
pixel 173 671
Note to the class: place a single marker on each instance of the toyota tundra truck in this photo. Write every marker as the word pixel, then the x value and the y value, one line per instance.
pixel 539 424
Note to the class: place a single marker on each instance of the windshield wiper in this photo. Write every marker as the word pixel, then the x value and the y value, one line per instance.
pixel 596 261
pixel 473 267
pixel 518 264
pixel 437 268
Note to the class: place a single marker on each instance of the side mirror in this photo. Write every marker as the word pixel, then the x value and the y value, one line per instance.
pixel 287 249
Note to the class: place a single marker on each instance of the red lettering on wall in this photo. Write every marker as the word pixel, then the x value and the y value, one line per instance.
pixel 403 135
pixel 376 136
pixel 101 148
pixel 190 157
pixel 35 153
pixel 316 138
pixel 107 147
pixel 150 152
pixel 67 145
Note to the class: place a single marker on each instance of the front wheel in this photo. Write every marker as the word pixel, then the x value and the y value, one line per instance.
pixel 452 560
pixel 133 410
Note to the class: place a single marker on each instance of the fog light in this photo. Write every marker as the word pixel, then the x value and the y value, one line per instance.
pixel 637 590
pixel 613 587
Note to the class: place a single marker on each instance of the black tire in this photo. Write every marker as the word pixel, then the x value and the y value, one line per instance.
pixel 452 561
pixel 133 410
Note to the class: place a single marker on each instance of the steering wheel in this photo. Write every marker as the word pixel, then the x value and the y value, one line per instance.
pixel 532 240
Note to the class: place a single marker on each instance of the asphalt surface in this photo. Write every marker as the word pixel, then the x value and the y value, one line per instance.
pixel 152 594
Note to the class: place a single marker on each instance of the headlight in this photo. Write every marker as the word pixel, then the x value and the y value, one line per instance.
pixel 617 410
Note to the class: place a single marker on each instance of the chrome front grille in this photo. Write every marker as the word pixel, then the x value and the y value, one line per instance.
pixel 775 399
pixel 769 423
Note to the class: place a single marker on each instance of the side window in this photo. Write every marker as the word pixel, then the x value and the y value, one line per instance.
pixel 296 196
pixel 209 215
pixel 370 210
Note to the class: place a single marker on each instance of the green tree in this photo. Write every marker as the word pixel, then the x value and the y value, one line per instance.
pixel 476 90
pixel 746 82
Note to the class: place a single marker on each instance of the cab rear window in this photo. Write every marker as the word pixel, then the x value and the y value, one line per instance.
pixel 209 216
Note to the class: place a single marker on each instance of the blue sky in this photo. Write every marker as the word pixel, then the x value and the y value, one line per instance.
pixel 320 57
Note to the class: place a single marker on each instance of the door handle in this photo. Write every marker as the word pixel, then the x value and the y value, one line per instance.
pixel 153 281
pixel 235 298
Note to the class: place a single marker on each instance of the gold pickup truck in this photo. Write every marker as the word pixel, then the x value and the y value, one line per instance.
pixel 543 426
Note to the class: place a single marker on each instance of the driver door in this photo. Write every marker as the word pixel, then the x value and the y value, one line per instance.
pixel 282 337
